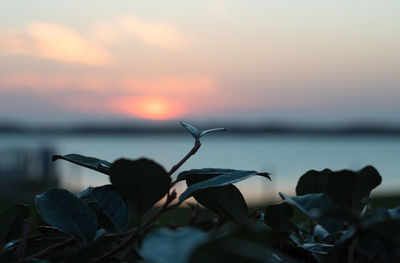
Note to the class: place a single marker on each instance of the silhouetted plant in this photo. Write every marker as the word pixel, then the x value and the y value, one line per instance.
pixel 118 222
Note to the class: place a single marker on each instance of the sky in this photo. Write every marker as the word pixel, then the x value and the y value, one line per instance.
pixel 302 61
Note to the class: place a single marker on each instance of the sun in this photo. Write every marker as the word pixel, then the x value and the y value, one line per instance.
pixel 152 108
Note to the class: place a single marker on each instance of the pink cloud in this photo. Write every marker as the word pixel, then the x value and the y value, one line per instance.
pixel 54 42
pixel 157 34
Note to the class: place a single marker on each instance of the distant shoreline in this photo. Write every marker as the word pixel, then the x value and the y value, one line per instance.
pixel 231 130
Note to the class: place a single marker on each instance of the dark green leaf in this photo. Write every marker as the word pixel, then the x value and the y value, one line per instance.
pixel 109 205
pixel 381 215
pixel 380 240
pixel 171 246
pixel 394 213
pixel 11 222
pixel 200 173
pixel 321 234
pixel 227 201
pixel 318 248
pixel 36 260
pixel 348 188
pixel 218 181
pixel 278 216
pixel 63 210
pixel 143 182
pixel 315 206
pixel 196 133
pixel 88 162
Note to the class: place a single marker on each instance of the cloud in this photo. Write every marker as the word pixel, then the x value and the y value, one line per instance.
pixel 54 42
pixel 55 81
pixel 157 34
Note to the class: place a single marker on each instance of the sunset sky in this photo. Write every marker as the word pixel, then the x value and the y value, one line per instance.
pixel 287 61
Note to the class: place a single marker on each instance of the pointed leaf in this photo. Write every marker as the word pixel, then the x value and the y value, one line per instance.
pixel 171 246
pixel 315 206
pixel 278 216
pixel 65 211
pixel 318 248
pixel 142 182
pixel 394 213
pixel 218 181
pixel 348 188
pixel 227 201
pixel 109 205
pixel 193 130
pixel 196 133
pixel 11 222
pixel 199 173
pixel 88 162
pixel 211 130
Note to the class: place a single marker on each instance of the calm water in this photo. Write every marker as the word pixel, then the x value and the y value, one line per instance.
pixel 285 157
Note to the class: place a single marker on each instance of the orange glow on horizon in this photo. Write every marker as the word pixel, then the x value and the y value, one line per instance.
pixel 148 108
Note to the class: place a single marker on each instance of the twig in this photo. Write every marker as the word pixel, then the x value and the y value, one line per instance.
pixel 51 249
pixel 132 236
pixel 24 238
pixel 195 148
pixel 351 250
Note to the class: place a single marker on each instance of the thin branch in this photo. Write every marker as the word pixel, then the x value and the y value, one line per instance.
pixel 24 239
pixel 132 236
pixel 195 148
pixel 51 249
pixel 350 251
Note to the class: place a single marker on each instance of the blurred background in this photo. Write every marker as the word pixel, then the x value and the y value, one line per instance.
pixel 299 85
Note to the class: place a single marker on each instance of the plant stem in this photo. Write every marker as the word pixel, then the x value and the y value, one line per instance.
pixel 24 239
pixel 51 249
pixel 132 236
pixel 195 148
pixel 351 250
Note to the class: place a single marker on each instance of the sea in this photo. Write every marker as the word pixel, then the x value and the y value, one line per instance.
pixel 285 157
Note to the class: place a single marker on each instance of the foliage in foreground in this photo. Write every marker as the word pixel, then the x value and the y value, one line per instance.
pixel 118 222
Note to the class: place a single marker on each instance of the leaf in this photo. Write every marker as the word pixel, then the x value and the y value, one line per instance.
pixel 109 205
pixel 193 173
pixel 381 215
pixel 11 222
pixel 171 246
pixel 142 182
pixel 193 130
pixel 196 133
pixel 218 181
pixel 65 211
pixel 211 130
pixel 321 234
pixel 36 260
pixel 348 188
pixel 380 240
pixel 278 216
pixel 394 213
pixel 88 162
pixel 227 201
pixel 315 206
pixel 318 248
